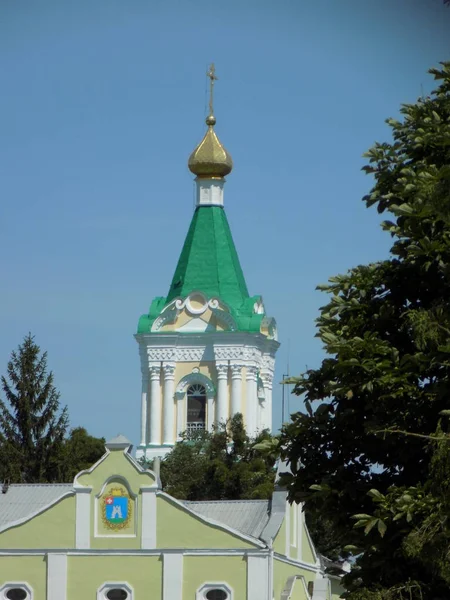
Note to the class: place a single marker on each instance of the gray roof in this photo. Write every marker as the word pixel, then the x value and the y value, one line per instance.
pixel 23 500
pixel 247 516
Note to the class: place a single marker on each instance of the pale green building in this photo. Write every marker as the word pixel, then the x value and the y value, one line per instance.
pixel 113 534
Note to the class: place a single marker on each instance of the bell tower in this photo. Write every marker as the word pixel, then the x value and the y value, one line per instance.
pixel 207 349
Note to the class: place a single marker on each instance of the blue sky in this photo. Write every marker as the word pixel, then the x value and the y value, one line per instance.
pixel 101 105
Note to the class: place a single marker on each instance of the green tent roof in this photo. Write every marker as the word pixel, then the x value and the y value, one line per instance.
pixel 209 261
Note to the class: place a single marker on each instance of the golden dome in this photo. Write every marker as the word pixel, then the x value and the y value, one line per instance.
pixel 210 159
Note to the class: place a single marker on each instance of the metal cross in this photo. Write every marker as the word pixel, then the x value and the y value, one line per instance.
pixel 212 76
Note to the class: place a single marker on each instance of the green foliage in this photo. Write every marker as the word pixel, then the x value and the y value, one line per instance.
pixel 80 452
pixel 219 465
pixel 34 447
pixel 385 384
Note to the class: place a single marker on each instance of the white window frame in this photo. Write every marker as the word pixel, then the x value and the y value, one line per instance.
pixel 213 585
pixel 11 585
pixel 113 585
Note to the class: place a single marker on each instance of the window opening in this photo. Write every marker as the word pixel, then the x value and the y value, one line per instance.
pixel 16 594
pixel 117 594
pixel 196 410
pixel 216 594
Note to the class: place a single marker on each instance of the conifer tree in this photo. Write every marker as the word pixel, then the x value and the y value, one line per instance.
pixel 32 424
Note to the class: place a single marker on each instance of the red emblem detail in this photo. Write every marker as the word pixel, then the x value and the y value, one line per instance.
pixel 109 500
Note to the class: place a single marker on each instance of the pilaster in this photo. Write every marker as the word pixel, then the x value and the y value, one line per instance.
pixel 56 576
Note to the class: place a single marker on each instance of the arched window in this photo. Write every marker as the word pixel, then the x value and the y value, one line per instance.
pixel 196 408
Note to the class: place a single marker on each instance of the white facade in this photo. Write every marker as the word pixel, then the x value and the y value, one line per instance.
pixel 235 369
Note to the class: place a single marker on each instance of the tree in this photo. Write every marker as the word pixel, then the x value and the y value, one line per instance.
pixel 34 447
pixel 219 465
pixel 80 452
pixel 385 381
pixel 32 426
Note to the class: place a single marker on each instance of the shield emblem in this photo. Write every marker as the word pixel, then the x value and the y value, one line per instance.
pixel 116 513
pixel 116 509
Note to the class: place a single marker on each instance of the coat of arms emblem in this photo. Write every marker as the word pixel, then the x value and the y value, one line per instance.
pixel 116 509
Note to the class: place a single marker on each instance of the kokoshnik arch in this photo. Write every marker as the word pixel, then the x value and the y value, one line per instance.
pixel 208 348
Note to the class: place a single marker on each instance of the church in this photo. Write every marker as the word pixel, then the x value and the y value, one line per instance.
pixel 207 351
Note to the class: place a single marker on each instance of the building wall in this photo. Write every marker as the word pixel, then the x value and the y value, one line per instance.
pixel 30 569
pixel 54 528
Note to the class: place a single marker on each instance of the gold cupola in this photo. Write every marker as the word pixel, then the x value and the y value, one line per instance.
pixel 210 160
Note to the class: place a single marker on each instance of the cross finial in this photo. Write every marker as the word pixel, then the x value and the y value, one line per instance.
pixel 212 76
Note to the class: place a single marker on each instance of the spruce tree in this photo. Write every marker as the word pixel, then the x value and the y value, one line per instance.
pixel 32 424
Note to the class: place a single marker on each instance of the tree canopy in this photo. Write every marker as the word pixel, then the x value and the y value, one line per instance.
pixel 219 465
pixel 34 443
pixel 369 448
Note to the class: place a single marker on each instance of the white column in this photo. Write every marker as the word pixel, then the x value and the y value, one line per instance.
pixel 56 576
pixel 252 399
pixel 181 424
pixel 83 517
pixel 222 393
pixel 155 405
pixel 236 388
pixel 172 576
pixel 144 400
pixel 148 521
pixel 210 414
pixel 169 403
pixel 265 418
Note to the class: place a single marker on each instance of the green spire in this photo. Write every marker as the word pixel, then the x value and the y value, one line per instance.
pixel 209 261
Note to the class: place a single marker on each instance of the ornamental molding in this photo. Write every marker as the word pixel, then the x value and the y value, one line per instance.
pixel 170 313
pixel 169 370
pixel 192 378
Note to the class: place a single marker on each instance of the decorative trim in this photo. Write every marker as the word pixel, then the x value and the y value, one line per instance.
pixel 83 518
pixel 111 585
pixel 236 370
pixel 222 370
pixel 16 584
pixel 57 576
pixel 201 592
pixel 169 315
pixel 191 378
pixel 148 519
pixel 172 576
pixel 297 563
pixel 169 370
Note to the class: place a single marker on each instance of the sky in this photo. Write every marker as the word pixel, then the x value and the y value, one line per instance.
pixel 101 104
